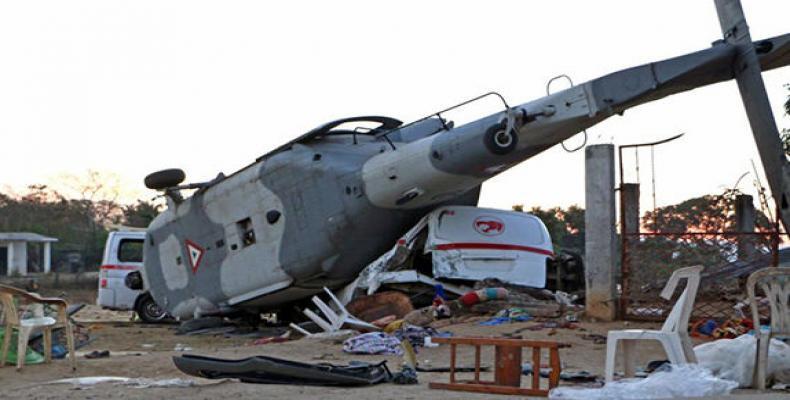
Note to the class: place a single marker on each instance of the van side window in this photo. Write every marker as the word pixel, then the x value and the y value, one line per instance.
pixel 130 250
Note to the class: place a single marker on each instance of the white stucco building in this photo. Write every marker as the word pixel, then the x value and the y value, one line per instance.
pixel 16 243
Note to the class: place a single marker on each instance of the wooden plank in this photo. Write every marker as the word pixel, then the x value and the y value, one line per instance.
pixel 554 361
pixel 452 363
pixel 492 389
pixel 507 366
pixel 536 367
pixel 489 341
pixel 477 364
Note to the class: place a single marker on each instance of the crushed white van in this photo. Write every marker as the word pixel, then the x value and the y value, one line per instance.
pixel 123 254
pixel 458 245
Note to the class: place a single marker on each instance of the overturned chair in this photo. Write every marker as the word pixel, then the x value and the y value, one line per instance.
pixel 334 319
pixel 775 285
pixel 15 320
pixel 673 335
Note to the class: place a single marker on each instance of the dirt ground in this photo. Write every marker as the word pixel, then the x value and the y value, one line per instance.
pixel 149 350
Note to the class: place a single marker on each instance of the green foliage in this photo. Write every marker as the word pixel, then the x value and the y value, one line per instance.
pixel 656 256
pixel 566 226
pixel 80 225
pixel 140 214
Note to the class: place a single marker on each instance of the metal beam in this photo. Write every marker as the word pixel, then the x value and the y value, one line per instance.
pixel 747 71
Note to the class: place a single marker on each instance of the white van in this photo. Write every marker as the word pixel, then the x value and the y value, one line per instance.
pixel 123 254
pixel 459 245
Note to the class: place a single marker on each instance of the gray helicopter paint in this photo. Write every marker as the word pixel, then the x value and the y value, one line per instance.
pixel 439 166
pixel 201 294
pixel 344 199
pixel 322 246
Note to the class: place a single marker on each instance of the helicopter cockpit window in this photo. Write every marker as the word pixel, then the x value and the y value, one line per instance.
pixel 356 127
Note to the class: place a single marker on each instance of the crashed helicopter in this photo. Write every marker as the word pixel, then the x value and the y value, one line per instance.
pixel 315 211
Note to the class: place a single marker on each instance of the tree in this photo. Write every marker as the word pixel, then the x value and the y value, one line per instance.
pixel 565 226
pixel 140 214
pixel 79 218
pixel 695 231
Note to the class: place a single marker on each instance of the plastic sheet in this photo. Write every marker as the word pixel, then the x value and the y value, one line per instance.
pixel 141 383
pixel 31 356
pixel 681 381
pixel 733 359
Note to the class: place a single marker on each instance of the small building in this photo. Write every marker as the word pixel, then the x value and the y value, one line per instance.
pixel 15 245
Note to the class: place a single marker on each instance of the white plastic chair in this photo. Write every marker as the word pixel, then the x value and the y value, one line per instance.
pixel 673 334
pixel 335 320
pixel 13 319
pixel 775 284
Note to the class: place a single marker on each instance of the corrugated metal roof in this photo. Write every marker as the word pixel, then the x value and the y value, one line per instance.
pixel 25 236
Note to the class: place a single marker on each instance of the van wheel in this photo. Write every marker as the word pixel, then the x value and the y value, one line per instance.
pixel 148 310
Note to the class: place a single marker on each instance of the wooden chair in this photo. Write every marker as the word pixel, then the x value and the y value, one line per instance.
pixel 24 326
pixel 775 284
pixel 673 335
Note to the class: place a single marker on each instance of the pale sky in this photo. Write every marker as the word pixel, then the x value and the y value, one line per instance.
pixel 128 88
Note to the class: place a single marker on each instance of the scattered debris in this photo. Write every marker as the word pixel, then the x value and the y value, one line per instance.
pixel 406 376
pixel 482 295
pixel 733 359
pixel 263 369
pixel 420 317
pixel 596 338
pixel 337 337
pixel 514 314
pixel 140 383
pixel 416 335
pixel 199 324
pixel 458 368
pixel 376 306
pixel 181 347
pixel 90 380
pixel 508 369
pixel 578 376
pixel 373 343
pixel 730 329
pixel 334 319
pixel 98 354
pixel 383 322
pixel 272 339
pixel 680 381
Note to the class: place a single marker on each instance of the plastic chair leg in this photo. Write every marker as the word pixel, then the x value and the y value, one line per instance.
pixel 6 343
pixel 761 361
pixel 48 345
pixel 21 346
pixel 611 353
pixel 70 343
pixel 688 349
pixel 674 349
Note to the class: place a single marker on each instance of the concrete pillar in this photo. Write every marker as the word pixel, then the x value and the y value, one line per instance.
pixel 599 221
pixel 629 193
pixel 745 218
pixel 47 257
pixel 20 257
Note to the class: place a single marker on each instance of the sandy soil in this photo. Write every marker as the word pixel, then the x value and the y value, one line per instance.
pixel 156 343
